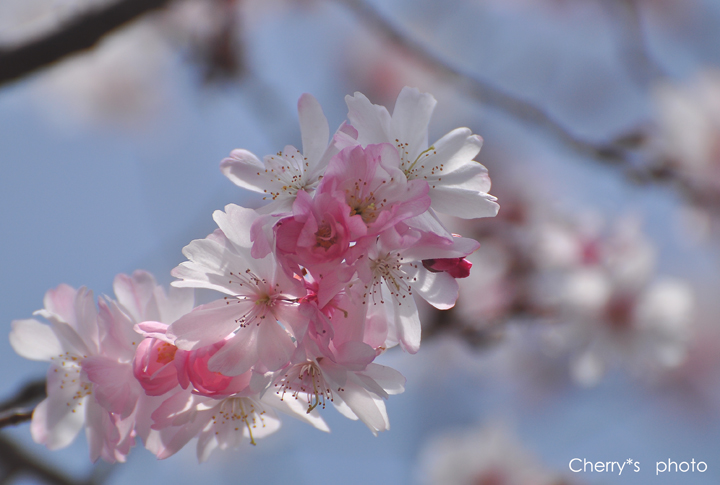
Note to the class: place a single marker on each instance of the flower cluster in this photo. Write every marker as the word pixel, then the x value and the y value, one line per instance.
pixel 613 310
pixel 316 284
pixel 586 289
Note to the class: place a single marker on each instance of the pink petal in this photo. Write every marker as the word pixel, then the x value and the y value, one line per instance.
pixel 238 354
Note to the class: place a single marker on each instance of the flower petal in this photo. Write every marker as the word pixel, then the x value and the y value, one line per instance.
pixel 34 340
pixel 411 117
pixel 209 323
pixel 314 129
pixel 245 170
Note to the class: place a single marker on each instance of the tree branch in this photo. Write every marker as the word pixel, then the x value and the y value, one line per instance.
pixel 77 35
pixel 621 152
pixel 19 408
pixel 31 392
pixel 16 462
pixel 15 416
pixel 641 66
pixel 483 91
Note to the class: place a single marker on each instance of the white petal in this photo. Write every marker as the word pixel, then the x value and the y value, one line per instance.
pixel 466 204
pixel 87 319
pixel 209 323
pixel 173 304
pixel 297 409
pixel 34 340
pixel 368 408
pixel 438 289
pixel 407 322
pixel 455 150
pixel 388 378
pixel 246 171
pixel 274 345
pixel 235 223
pixel 60 302
pixel 115 387
pixel 371 121
pixel 102 434
pixel 54 424
pixel 134 292
pixel 237 355
pixel 313 128
pixel 411 117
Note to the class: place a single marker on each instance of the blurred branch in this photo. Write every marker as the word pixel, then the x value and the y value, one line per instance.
pixel 79 34
pixel 483 91
pixel 621 151
pixel 15 462
pixel 15 416
pixel 640 64
pixel 33 391
pixel 19 408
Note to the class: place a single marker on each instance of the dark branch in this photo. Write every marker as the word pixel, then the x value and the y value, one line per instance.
pixel 19 408
pixel 77 35
pixel 15 416
pixel 31 393
pixel 16 462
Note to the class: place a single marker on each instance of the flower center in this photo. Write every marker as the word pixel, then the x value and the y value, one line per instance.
pixel 68 367
pixel 165 353
pixel 241 410
pixel 387 269
pixel 305 380
pixel 325 236
pixel 287 170
pixel 412 170
pixel 255 289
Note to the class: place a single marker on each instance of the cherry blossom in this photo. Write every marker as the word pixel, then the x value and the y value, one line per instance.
pixel 487 455
pixel 613 312
pixel 688 118
pixel 281 176
pixel 261 314
pixel 355 386
pixel 316 285
pixel 458 184
pixel 90 349
pixel 393 271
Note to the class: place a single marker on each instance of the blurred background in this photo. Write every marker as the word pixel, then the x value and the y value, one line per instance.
pixel 588 327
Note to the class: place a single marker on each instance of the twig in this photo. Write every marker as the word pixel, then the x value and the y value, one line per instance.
pixel 19 408
pixel 15 416
pixel 77 35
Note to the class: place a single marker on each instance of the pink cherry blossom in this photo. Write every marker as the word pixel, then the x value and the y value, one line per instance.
pixel 458 185
pixel 355 387
pixel 372 184
pixel 393 271
pixel 260 318
pixel 90 380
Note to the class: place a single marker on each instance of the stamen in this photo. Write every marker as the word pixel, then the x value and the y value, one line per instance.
pixel 307 379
